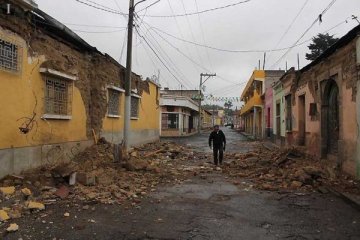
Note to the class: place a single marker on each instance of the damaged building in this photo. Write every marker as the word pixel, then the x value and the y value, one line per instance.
pixel 59 94
pixel 321 105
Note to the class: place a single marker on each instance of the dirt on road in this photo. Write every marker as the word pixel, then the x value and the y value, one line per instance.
pixel 93 180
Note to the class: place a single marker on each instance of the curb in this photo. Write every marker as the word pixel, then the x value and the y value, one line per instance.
pixel 346 197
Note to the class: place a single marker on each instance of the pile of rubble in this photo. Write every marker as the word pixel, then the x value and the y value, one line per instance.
pixel 94 177
pixel 288 169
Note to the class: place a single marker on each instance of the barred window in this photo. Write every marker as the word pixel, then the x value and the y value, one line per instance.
pixel 135 106
pixel 58 96
pixel 9 56
pixel 114 102
pixel 170 121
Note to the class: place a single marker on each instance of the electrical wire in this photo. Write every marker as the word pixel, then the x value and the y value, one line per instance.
pixel 290 25
pixel 318 19
pixel 241 51
pixel 163 63
pixel 103 8
pixel 199 12
pixel 181 34
pixel 163 52
pixel 191 32
pixel 84 31
pixel 145 8
pixel 187 57
pixel 123 47
pixel 203 35
pixel 93 26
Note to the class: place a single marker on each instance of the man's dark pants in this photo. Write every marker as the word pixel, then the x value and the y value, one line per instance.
pixel 218 154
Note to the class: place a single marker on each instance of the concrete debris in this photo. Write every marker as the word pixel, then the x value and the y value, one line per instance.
pixel 35 205
pixel 26 191
pixel 4 216
pixel 93 177
pixel 7 190
pixel 63 192
pixel 13 227
pixel 286 169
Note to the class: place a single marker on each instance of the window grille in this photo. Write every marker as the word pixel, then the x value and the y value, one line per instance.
pixel 114 102
pixel 10 55
pixel 58 96
pixel 170 121
pixel 135 107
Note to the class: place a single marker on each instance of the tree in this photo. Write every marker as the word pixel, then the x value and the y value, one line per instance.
pixel 228 111
pixel 319 44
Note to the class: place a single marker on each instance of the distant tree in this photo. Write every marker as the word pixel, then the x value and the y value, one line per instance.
pixel 211 107
pixel 319 44
pixel 228 104
pixel 228 110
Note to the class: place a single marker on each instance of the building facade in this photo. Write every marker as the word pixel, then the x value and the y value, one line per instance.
pixel 256 111
pixel 206 119
pixel 322 105
pixel 58 93
pixel 179 115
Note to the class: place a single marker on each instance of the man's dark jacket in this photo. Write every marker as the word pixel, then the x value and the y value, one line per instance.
pixel 218 138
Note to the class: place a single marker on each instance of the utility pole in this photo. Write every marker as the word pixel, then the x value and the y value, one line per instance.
pixel 208 75
pixel 127 113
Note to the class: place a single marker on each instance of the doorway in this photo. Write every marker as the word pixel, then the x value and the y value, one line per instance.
pixel 330 118
pixel 268 123
pixel 278 120
pixel 302 121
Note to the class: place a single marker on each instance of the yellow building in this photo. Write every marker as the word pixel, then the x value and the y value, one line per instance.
pixel 206 117
pixel 57 92
pixel 252 111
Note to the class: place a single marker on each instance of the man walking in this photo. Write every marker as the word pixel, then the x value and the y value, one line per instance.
pixel 218 140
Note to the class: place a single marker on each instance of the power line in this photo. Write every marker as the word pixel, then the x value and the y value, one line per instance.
pixel 84 31
pixel 181 34
pixel 103 8
pixel 191 31
pixel 145 8
pixel 199 12
pixel 162 62
pixel 318 19
pixel 187 57
pixel 290 25
pixel 163 52
pixel 203 35
pixel 93 26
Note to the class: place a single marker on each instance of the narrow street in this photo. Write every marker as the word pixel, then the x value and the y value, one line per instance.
pixel 203 207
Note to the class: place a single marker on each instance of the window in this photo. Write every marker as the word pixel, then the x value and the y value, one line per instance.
pixel 114 103
pixel 288 113
pixel 58 96
pixel 169 121
pixel 9 56
pixel 135 100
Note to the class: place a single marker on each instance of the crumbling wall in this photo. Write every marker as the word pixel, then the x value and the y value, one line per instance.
pixel 94 70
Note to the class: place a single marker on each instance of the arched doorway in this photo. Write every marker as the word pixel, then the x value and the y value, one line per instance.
pixel 330 118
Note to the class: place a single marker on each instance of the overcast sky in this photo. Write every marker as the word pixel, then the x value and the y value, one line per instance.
pixel 254 25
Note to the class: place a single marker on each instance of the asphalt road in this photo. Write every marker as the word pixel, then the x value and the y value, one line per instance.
pixel 208 207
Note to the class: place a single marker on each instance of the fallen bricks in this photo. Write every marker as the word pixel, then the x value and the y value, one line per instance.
pixel 287 169
pixel 94 177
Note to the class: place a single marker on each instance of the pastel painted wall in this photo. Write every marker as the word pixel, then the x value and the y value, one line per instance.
pixel 278 98
pixel 145 128
pixel 22 95
pixel 268 111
